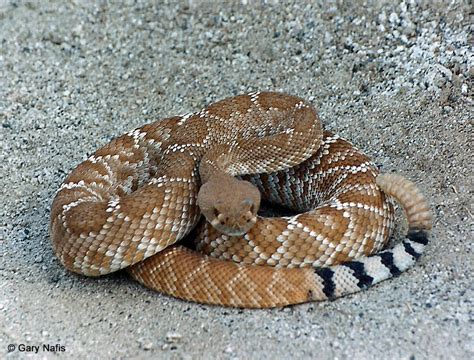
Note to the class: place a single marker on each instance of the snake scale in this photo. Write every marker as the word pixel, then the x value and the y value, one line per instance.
pixel 135 200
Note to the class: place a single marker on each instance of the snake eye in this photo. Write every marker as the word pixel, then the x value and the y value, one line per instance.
pixel 216 212
pixel 249 203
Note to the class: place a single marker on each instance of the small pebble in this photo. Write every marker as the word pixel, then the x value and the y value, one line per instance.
pixel 173 337
pixel 147 345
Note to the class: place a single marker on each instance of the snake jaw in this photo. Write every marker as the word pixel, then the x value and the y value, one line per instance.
pixel 233 226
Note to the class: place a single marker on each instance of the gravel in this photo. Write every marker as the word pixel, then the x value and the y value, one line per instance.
pixel 396 79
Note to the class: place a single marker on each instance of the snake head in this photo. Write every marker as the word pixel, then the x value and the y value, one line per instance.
pixel 229 205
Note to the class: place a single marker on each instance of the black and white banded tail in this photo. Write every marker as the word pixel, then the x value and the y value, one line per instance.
pixel 360 274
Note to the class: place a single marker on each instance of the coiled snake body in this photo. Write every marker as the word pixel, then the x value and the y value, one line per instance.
pixel 133 200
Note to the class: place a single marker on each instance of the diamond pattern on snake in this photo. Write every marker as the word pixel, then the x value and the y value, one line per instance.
pixel 200 178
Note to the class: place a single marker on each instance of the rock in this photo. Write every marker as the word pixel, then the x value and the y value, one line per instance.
pixel 173 338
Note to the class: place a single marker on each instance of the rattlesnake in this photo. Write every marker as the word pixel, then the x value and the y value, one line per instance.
pixel 133 200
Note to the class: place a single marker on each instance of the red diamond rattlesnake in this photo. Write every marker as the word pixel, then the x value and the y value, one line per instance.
pixel 129 203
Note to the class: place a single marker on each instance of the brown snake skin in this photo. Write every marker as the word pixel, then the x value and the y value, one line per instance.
pixel 130 203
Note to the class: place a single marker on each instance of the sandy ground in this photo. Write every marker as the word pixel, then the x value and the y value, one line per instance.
pixel 395 79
